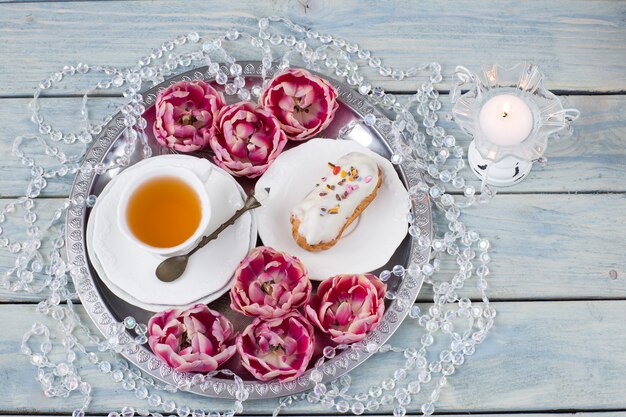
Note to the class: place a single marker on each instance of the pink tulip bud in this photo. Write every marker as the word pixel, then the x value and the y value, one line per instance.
pixel 304 103
pixel 196 339
pixel 346 307
pixel 269 284
pixel 278 348
pixel 247 139
pixel 184 115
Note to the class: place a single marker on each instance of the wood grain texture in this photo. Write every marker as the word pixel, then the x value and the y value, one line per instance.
pixel 580 45
pixel 575 348
pixel 594 159
pixel 564 414
pixel 543 246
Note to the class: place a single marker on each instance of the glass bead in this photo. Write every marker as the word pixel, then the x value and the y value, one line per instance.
pixel 221 78
pixel 232 34
pixel 319 389
pixel 342 406
pixel 71 383
pixel 62 369
pixel 414 387
pixel 399 411
pixel 154 400
pixel 364 89
pixel 424 377
pixel 193 37
pixel 100 168
pixel 384 276
pixel 447 369
pixel 104 366
pixel 78 413
pixel 168 406
pixel 141 328
pixel 15 247
pixel 428 409
pixel 398 270
pixel 386 399
pixel 128 412
pixel 230 89
pixel 71 356
pixel 371 347
pixel 358 408
pixel 372 405
pixel 414 231
pixel 399 374
pixel 375 392
pixel 435 367
pixel 388 384
pixel 345 380
pixel 329 352
pixel 369 119
pixel 316 376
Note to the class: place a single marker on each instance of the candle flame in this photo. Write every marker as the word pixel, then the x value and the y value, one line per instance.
pixel 505 109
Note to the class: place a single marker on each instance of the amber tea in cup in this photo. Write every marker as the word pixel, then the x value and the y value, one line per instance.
pixel 163 212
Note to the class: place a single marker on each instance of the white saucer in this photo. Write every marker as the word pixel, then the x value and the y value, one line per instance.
pixel 363 248
pixel 128 271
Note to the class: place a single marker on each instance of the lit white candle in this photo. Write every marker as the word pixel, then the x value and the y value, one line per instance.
pixel 506 120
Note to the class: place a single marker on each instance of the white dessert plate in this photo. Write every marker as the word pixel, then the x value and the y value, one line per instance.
pixel 128 271
pixel 367 244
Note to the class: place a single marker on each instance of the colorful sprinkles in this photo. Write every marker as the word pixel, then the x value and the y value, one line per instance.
pixel 350 174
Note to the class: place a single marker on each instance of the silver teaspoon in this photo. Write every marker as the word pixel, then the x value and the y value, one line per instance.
pixel 172 268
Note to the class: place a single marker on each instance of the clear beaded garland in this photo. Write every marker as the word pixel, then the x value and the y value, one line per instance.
pixel 418 139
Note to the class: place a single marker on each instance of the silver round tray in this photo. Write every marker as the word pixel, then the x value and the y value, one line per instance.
pixel 105 309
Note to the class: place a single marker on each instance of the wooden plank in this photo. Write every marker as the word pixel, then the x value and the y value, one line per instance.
pixel 573 414
pixel 64 115
pixel 577 358
pixel 53 1
pixel 580 45
pixel 594 159
pixel 544 246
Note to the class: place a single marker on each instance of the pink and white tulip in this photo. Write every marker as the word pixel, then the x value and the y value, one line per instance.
pixel 304 103
pixel 196 339
pixel 278 348
pixel 247 139
pixel 346 307
pixel 269 284
pixel 184 115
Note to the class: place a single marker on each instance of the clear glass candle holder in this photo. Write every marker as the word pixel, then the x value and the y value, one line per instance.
pixel 508 141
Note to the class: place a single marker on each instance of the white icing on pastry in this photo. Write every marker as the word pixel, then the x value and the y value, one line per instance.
pixel 326 209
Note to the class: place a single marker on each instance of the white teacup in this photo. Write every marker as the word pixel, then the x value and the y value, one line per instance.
pixel 190 178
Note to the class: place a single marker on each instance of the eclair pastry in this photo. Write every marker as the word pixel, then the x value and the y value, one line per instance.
pixel 318 221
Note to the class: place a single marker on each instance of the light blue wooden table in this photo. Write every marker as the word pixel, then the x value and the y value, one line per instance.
pixel 559 237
